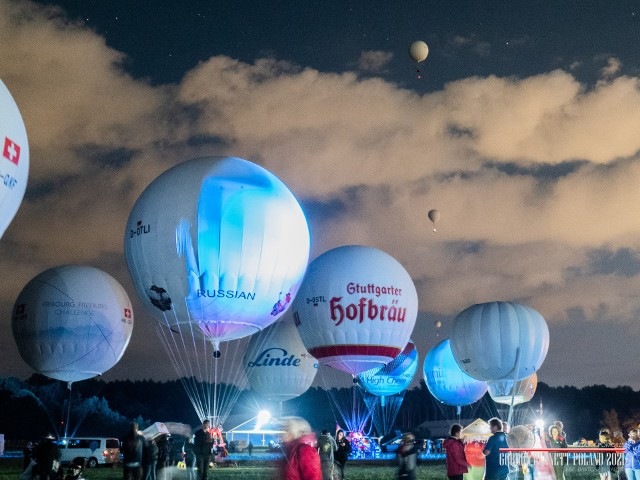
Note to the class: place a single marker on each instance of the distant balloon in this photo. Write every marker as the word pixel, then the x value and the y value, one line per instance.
pixel 356 308
pixel 522 391
pixel 446 381
pixel 218 244
pixel 72 322
pixel 14 163
pixel 434 216
pixel 418 51
pixel 437 324
pixel 487 339
pixel 277 365
pixel 393 377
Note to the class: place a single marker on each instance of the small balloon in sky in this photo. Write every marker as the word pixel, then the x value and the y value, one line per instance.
pixel 437 324
pixel 418 52
pixel 434 216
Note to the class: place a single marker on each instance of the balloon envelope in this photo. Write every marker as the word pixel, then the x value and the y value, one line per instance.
pixel 356 308
pixel 72 322
pixel 276 363
pixel 446 381
pixel 14 163
pixel 522 391
pixel 219 242
pixel 487 337
pixel 434 215
pixel 418 51
pixel 395 376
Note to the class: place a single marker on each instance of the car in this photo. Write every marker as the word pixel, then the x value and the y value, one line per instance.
pixel 95 450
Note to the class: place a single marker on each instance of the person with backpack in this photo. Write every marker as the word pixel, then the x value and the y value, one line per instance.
pixel 326 447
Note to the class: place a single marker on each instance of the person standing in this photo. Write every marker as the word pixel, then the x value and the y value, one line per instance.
pixel 203 443
pixel 250 449
pixel 189 450
pixel 300 460
pixel 342 453
pixel 150 460
pixel 326 450
pixel 48 458
pixel 557 440
pixel 604 441
pixel 631 456
pixel 407 457
pixel 132 452
pixel 494 469
pixel 27 454
pixel 457 464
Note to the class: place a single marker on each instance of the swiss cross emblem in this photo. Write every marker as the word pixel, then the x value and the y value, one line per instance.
pixel 11 150
pixel 127 313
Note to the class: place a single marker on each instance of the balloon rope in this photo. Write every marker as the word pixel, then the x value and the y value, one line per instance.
pixel 66 423
pixel 513 390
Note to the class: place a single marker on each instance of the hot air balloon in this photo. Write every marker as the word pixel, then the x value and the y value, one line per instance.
pixel 277 365
pixel 387 385
pixel 434 216
pixel 72 322
pixel 14 164
pixel 218 243
pixel 521 391
pixel 394 377
pixel 418 51
pixel 217 248
pixel 356 308
pixel 446 381
pixel 500 340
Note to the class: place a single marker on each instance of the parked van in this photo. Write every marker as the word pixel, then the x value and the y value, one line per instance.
pixel 95 450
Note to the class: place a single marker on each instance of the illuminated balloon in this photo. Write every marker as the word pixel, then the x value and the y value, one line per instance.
pixel 14 163
pixel 522 391
pixel 393 377
pixel 356 308
pixel 434 216
pixel 418 51
pixel 72 322
pixel 446 381
pixel 276 363
pixel 487 337
pixel 219 243
pixel 437 324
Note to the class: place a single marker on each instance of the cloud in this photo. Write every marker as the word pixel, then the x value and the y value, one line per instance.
pixel 472 42
pixel 613 67
pixel 536 178
pixel 374 61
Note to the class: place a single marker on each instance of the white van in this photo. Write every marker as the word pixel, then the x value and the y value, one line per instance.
pixel 95 450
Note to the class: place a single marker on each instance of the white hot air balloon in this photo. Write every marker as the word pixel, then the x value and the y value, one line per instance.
pixel 72 322
pixel 277 365
pixel 217 248
pixel 496 340
pixel 14 159
pixel 217 243
pixel 356 308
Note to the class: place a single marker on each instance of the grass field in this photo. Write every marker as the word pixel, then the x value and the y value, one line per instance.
pixel 10 469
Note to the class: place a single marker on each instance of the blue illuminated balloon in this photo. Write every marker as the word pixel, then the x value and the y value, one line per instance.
pixel 218 244
pixel 394 377
pixel 446 381
pixel 498 340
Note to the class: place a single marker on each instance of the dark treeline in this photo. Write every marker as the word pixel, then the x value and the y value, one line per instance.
pixel 38 406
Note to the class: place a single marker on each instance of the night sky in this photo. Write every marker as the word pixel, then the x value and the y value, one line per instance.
pixel 521 129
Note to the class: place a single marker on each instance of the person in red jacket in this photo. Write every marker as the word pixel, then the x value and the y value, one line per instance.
pixel 457 464
pixel 301 460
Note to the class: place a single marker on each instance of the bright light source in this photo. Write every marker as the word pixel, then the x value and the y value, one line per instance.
pixel 262 418
pixel 540 424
